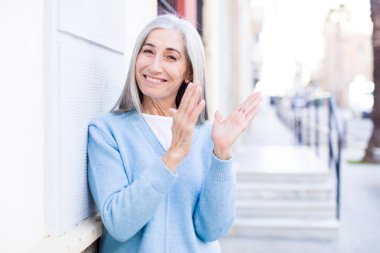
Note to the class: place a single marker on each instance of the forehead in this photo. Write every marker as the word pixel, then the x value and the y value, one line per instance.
pixel 166 38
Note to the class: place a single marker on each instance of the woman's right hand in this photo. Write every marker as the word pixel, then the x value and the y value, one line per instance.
pixel 184 120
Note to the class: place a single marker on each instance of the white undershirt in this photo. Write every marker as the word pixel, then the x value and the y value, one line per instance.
pixel 161 127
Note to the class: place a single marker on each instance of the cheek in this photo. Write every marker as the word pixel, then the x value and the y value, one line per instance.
pixel 139 64
pixel 181 72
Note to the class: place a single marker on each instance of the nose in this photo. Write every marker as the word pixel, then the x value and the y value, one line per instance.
pixel 156 65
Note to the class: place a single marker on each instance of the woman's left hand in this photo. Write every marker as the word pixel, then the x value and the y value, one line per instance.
pixel 226 131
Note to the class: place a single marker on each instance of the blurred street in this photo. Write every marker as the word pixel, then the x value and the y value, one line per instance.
pixel 359 229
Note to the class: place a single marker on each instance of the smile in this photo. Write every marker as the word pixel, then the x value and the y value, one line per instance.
pixel 154 80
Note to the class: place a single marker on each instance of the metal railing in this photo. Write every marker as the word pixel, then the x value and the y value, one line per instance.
pixel 315 122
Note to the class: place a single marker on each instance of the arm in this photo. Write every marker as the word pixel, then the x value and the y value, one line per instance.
pixel 125 208
pixel 215 210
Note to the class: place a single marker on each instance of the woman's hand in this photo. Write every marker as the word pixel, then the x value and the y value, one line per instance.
pixel 184 120
pixel 226 131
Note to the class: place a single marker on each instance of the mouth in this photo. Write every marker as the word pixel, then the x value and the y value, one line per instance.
pixel 154 80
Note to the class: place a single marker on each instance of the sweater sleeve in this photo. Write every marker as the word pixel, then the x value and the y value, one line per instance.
pixel 215 211
pixel 124 207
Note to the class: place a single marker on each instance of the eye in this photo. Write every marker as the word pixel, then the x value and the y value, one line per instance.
pixel 147 51
pixel 171 57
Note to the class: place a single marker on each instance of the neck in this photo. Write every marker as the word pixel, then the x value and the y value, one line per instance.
pixel 156 107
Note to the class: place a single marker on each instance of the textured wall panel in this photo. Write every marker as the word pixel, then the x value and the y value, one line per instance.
pixel 100 21
pixel 91 79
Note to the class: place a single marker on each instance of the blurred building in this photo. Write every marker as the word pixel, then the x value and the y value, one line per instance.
pixel 348 53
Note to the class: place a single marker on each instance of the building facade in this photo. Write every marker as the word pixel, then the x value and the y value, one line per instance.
pixel 348 54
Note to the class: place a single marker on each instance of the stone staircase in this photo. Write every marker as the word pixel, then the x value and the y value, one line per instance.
pixel 284 192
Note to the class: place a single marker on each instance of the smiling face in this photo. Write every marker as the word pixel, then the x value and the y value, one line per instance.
pixel 161 66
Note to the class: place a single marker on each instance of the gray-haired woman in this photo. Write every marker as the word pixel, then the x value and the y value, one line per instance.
pixel 160 174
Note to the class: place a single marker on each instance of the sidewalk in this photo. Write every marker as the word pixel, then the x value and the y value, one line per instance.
pixel 360 202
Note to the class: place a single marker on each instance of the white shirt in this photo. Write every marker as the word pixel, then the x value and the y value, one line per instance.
pixel 161 127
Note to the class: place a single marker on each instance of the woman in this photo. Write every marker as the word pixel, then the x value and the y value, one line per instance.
pixel 160 175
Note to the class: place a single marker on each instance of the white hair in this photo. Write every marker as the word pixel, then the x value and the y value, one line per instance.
pixel 131 96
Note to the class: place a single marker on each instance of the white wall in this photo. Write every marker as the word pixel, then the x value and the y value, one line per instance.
pixel 62 63
pixel 88 48
pixel 138 14
pixel 245 46
pixel 21 128
pixel 227 37
pixel 85 74
pixel 217 39
pixel 211 31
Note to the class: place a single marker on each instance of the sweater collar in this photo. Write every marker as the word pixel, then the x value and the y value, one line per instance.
pixel 144 129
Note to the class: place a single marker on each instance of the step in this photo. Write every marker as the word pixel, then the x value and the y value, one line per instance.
pixel 286 209
pixel 312 176
pixel 276 191
pixel 285 229
pixel 279 159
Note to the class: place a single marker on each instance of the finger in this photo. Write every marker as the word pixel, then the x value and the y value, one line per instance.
pixel 256 96
pixel 246 112
pixel 218 116
pixel 197 111
pixel 194 100
pixel 243 106
pixel 251 113
pixel 252 98
pixel 251 102
pixel 186 96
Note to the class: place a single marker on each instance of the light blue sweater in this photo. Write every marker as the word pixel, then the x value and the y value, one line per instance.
pixel 144 207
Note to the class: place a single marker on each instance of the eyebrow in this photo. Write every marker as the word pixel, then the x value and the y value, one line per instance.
pixel 168 48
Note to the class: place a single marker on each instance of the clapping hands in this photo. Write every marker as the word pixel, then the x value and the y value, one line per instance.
pixel 224 133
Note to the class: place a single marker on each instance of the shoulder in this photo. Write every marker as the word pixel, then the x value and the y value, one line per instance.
pixel 111 119
pixel 111 123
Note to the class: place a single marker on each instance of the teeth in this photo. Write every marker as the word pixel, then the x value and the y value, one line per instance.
pixel 153 80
